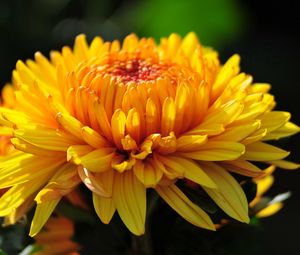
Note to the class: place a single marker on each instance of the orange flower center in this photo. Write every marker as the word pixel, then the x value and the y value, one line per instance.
pixel 133 68
pixel 136 70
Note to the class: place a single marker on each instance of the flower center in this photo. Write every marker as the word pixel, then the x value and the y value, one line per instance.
pixel 135 70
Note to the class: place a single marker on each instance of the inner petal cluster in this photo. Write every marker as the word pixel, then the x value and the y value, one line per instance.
pixel 134 70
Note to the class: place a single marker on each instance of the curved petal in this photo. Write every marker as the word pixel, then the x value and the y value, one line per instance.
pixel 184 207
pixel 287 130
pixel 104 206
pixel 284 164
pixel 129 195
pixel 263 152
pixel 188 143
pixel 93 182
pixel 147 173
pixel 217 151
pixel 42 213
pixel 189 169
pixel 229 194
pixel 239 132
pixel 242 167
pixel 99 160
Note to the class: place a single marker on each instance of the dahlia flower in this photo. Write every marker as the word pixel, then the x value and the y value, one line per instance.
pixel 126 118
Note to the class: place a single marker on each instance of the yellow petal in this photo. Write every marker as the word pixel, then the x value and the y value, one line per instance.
pixel 81 47
pixel 168 116
pixel 209 129
pixel 225 115
pixel 18 194
pixel 217 151
pixel 147 173
pixel 255 137
pixel 287 130
pixel 184 113
pixel 128 143
pixel 229 195
pixel 263 152
pixel 70 124
pixel 187 168
pixel 260 87
pixel 94 182
pixel 152 117
pixel 227 72
pixel 62 183
pixel 19 212
pixel 26 147
pixel 166 145
pixel 5 131
pixel 238 133
pixel 284 164
pixel 169 167
pixel 104 206
pixel 25 167
pixel 184 207
pixel 129 196
pixel 13 116
pixel 44 138
pixel 41 215
pixel 95 161
pixel 187 143
pixel 120 164
pixel 133 124
pixel 189 43
pixel 118 122
pixel 242 167
pixel 168 173
pixel 102 119
pixel 263 184
pixel 95 46
pixel 75 152
pixel 93 138
pixel 269 210
pixel 274 120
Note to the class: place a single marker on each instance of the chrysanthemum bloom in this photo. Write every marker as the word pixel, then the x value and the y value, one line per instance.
pixel 122 119
pixel 56 238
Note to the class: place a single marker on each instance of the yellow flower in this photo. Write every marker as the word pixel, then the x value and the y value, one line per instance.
pixel 125 118
pixel 55 238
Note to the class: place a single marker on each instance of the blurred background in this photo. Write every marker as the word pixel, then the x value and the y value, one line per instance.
pixel 265 35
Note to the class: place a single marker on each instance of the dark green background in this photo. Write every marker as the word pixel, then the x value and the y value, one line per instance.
pixel 264 33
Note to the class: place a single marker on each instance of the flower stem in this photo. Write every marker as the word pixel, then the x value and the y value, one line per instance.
pixel 142 245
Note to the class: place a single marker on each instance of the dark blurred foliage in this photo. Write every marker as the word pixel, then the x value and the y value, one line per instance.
pixel 264 33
